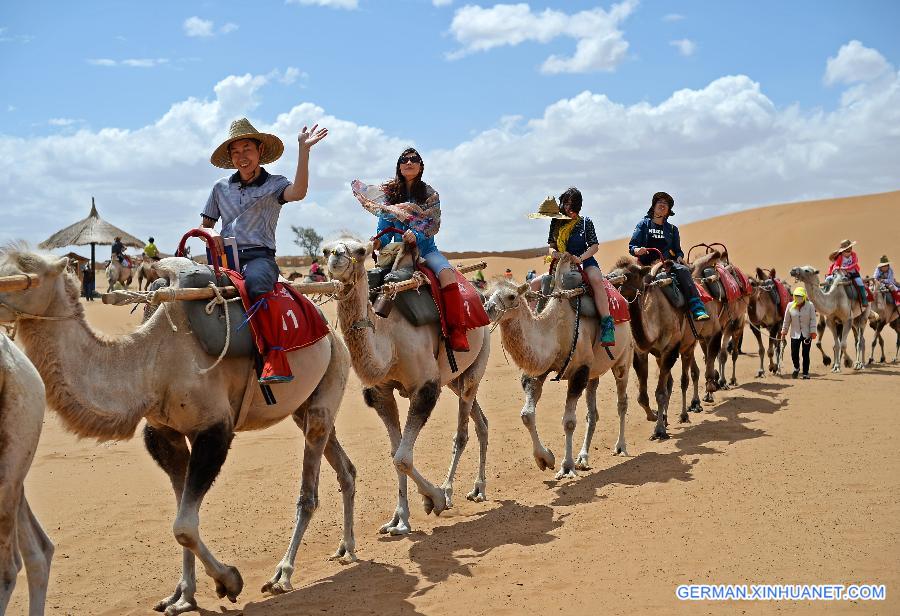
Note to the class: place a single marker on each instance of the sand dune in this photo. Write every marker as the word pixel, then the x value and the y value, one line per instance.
pixel 779 481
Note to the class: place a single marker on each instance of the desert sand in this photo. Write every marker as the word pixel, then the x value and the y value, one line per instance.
pixel 778 481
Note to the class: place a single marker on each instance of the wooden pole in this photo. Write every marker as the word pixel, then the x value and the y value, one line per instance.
pixel 169 294
pixel 18 282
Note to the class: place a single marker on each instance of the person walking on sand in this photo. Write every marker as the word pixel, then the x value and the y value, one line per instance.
pixel 249 201
pixel 800 320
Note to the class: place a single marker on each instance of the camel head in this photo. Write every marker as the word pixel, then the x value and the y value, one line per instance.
pixel 563 265
pixel 635 276
pixel 345 256
pixel 40 299
pixel 806 273
pixel 504 299
pixel 707 260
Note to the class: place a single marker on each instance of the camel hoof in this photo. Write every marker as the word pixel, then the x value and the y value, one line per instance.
pixel 545 459
pixel 344 556
pixel 436 502
pixel 695 407
pixel 477 494
pixel 762 374
pixel 230 585
pixel 708 398
pixel 277 588
pixel 660 436
pixel 180 607
pixel 581 463
pixel 872 361
pixel 733 382
pixel 566 473
pixel 684 418
pixel 448 494
pixel 651 416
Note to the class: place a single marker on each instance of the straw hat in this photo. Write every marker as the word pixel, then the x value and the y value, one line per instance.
pixel 845 244
pixel 242 129
pixel 548 209
pixel 883 261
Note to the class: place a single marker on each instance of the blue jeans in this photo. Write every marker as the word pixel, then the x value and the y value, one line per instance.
pixel 259 269
pixel 436 262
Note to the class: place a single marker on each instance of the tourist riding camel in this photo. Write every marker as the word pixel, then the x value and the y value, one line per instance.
pixel 886 307
pixel 410 212
pixel 655 231
pixel 574 234
pixel 559 340
pixel 845 259
pixel 768 303
pixel 22 404
pixel 150 250
pixel 800 323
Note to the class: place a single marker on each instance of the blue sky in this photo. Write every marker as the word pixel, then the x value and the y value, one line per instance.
pixel 491 94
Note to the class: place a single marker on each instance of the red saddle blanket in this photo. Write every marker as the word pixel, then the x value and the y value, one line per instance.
pixel 618 305
pixel 783 296
pixel 732 288
pixel 475 314
pixel 281 321
pixel 705 297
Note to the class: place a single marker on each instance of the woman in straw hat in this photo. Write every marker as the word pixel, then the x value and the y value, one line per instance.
pixel 800 320
pixel 844 258
pixel 572 233
pixel 249 201
pixel 654 231
pixel 884 274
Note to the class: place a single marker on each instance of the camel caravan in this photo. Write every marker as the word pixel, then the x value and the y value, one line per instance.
pixel 410 325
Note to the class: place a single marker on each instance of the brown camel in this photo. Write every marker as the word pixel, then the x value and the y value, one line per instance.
pixel 764 315
pixel 118 272
pixel 733 317
pixel 145 272
pixel 540 344
pixel 21 417
pixel 710 331
pixel 191 416
pixel 883 314
pixel 660 329
pixel 391 354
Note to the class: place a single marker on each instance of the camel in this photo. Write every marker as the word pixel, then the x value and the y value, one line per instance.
pixel 145 273
pixel 118 272
pixel 660 329
pixel 191 416
pixel 710 331
pixel 841 315
pixel 391 354
pixel 21 417
pixel 765 315
pixel 539 344
pixel 883 314
pixel 733 318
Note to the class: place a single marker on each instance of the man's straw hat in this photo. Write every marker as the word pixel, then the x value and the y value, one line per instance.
pixel 548 209
pixel 883 261
pixel 273 148
pixel 845 244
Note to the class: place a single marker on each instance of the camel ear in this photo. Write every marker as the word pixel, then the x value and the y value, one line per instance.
pixel 759 273
pixel 60 266
pixel 772 272
pixel 522 288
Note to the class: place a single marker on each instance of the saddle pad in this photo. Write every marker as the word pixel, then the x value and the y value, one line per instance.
pixel 475 314
pixel 742 280
pixel 210 329
pixel 852 289
pixel 732 288
pixel 417 305
pixel 282 321
pixel 784 297
pixel 705 297
pixel 618 306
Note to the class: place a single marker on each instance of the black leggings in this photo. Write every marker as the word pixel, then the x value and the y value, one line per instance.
pixel 796 344
pixel 685 281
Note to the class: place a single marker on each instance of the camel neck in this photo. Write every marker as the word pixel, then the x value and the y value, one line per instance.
pixel 531 340
pixel 370 352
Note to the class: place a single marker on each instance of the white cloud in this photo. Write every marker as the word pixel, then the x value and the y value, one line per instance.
pixel 673 17
pixel 442 2
pixel 337 4
pixel 685 47
pixel 854 63
pixel 61 121
pixel 227 28
pixel 600 46
pixel 717 148
pixel 132 62
pixel 291 75
pixel 194 26
pixel 7 37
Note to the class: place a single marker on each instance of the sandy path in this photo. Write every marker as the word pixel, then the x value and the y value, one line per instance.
pixel 779 482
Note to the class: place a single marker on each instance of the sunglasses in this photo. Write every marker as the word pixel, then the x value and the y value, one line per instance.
pixel 412 158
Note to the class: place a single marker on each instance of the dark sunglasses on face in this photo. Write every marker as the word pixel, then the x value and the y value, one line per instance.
pixel 412 158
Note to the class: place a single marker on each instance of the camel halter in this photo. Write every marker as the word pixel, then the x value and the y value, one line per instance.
pixel 20 315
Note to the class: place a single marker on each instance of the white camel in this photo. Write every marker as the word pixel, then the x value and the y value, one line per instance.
pixel 540 344
pixel 841 314
pixel 391 354
pixel 21 417
pixel 191 416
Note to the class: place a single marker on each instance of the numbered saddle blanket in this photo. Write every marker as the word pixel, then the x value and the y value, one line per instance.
pixel 733 290
pixel 281 321
pixel 475 314
pixel 784 297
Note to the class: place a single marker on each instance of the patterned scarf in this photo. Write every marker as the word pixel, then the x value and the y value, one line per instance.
pixel 565 232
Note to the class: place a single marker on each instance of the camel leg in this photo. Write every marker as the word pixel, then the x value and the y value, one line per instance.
pixel 820 329
pixel 859 333
pixel 875 340
pixel 10 561
pixel 346 476
pixel 722 358
pixel 713 344
pixel 209 448
pixel 758 335
pixel 384 403
pixel 460 439
pixel 169 450
pixel 641 362
pixel 421 404
pixel 533 386
pixel 737 337
pixel 691 360
pixel 620 373
pixel 663 394
pixel 317 422
pixel 779 346
pixel 478 494
pixel 590 396
pixel 37 552
pixel 685 382
pixel 576 385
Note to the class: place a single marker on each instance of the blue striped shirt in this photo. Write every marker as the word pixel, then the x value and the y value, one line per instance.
pixel 249 212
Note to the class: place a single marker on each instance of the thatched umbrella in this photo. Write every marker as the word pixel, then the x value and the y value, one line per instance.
pixel 92 230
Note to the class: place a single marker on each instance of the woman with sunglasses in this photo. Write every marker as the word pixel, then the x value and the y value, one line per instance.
pixel 419 226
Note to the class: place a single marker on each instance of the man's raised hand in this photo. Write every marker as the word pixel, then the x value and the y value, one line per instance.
pixel 310 137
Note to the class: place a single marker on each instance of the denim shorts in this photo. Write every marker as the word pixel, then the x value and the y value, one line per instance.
pixel 436 262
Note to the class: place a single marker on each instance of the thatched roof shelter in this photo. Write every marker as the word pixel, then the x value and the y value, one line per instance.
pixel 91 231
